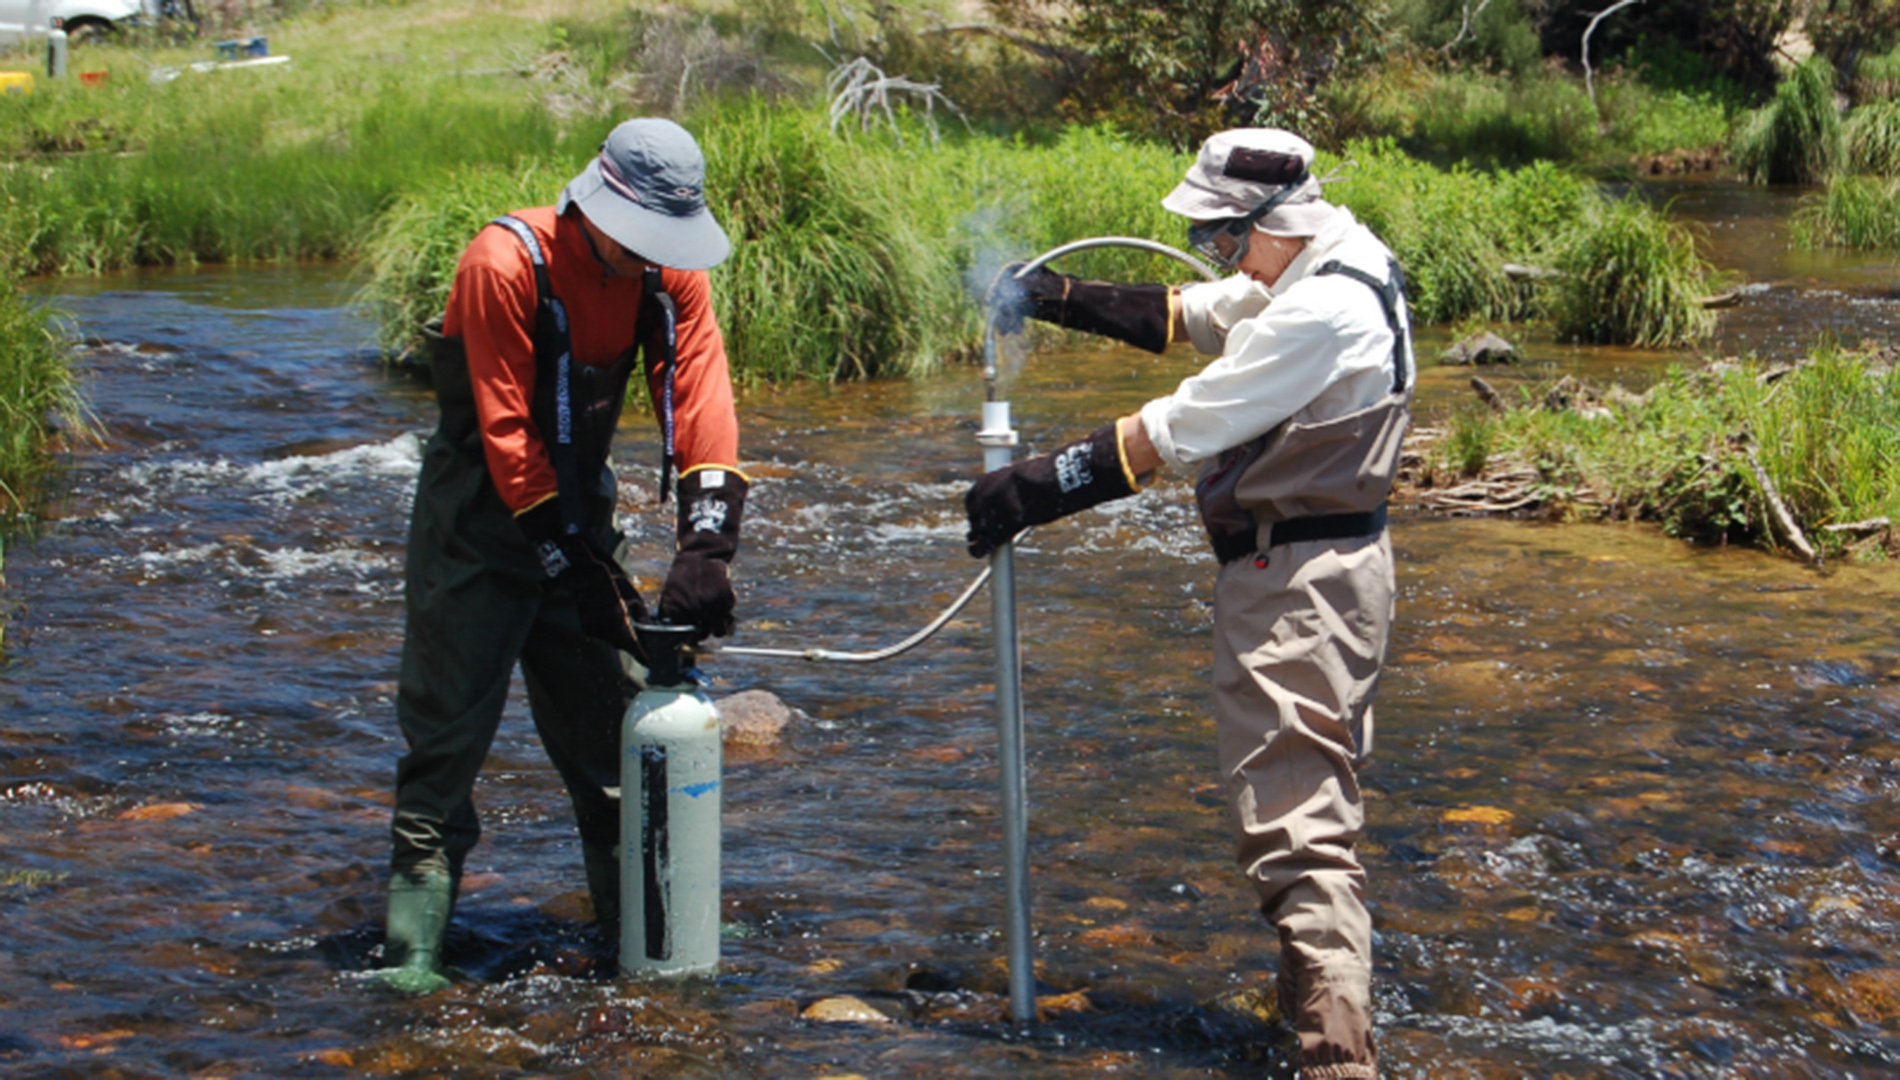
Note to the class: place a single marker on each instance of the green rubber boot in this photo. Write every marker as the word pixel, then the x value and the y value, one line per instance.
pixel 419 907
pixel 603 881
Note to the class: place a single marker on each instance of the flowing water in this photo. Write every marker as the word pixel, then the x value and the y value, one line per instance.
pixel 1635 811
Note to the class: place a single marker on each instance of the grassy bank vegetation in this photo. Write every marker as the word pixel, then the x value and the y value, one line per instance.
pixel 391 136
pixel 1490 119
pixel 863 256
pixel 39 402
pixel 1705 452
pixel 1802 137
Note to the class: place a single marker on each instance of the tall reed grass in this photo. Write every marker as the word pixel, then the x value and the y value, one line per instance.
pixel 1827 434
pixel 1631 277
pixel 1877 78
pixel 1854 212
pixel 859 257
pixel 39 396
pixel 1796 138
pixel 1454 230
pixel 1872 136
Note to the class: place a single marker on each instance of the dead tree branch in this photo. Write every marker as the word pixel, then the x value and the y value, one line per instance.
pixel 1789 528
pixel 1471 17
pixel 1589 76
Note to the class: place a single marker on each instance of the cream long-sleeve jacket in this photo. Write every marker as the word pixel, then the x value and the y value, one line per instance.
pixel 1311 348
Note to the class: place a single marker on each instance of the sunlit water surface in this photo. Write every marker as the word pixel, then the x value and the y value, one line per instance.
pixel 1634 811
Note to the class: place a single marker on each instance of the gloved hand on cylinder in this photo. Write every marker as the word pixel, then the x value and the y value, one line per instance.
pixel 698 589
pixel 1041 489
pixel 604 598
pixel 1140 315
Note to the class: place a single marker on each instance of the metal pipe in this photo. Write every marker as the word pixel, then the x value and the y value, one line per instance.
pixel 999 441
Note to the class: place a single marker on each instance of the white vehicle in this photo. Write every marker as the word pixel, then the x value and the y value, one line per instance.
pixel 82 19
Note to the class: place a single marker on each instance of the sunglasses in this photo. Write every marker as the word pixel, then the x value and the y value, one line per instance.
pixel 1224 241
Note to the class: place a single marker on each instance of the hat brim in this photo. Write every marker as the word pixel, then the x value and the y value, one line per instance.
pixel 695 242
pixel 1298 219
pixel 1197 201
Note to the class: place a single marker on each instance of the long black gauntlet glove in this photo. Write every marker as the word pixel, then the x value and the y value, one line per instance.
pixel 698 588
pixel 1041 489
pixel 605 600
pixel 1136 314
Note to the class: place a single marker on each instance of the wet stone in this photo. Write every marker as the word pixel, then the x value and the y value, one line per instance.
pixel 755 719
pixel 1484 348
pixel 843 1009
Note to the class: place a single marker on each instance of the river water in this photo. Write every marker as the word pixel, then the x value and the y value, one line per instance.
pixel 1635 811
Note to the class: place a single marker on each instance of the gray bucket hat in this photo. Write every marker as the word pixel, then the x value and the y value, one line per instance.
pixel 1241 169
pixel 647 190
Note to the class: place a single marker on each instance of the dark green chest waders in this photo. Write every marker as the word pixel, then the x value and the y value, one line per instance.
pixel 478 600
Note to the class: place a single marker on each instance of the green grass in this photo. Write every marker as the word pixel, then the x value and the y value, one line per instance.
pixel 1872 137
pixel 1854 212
pixel 256 177
pixel 1632 277
pixel 1827 434
pixel 856 255
pixel 1488 120
pixel 39 397
pixel 1877 78
pixel 1796 138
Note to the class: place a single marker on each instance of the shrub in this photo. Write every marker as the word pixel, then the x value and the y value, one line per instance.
pixel 1796 138
pixel 1631 277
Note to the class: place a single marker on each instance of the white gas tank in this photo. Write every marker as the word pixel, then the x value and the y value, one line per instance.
pixel 670 763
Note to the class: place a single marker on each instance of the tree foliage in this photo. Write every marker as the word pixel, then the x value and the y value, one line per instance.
pixel 1181 69
pixel 1844 31
pixel 1738 36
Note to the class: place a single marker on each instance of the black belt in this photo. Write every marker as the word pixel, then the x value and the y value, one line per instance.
pixel 1296 530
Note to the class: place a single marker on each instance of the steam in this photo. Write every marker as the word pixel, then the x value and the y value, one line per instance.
pixel 993 251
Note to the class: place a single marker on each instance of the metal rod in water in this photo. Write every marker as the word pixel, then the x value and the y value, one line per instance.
pixel 1018 941
pixel 998 439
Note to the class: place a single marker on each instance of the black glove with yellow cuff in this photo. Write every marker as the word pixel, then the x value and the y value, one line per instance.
pixel 1041 489
pixel 605 600
pixel 1141 315
pixel 698 589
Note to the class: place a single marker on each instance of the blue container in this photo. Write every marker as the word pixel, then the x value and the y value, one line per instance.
pixel 243 48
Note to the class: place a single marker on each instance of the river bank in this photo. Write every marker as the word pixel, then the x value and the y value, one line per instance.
pixel 863 246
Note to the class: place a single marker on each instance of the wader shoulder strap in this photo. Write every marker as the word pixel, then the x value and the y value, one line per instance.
pixel 552 340
pixel 657 334
pixel 1391 294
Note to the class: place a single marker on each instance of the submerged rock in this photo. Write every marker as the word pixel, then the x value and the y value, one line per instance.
pixel 843 1009
pixel 755 719
pixel 1484 348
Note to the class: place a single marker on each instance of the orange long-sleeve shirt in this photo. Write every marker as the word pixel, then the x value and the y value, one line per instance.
pixel 491 308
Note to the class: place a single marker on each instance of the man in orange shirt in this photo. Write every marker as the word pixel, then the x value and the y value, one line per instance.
pixel 513 548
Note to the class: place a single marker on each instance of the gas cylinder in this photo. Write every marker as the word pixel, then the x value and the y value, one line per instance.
pixel 669 816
